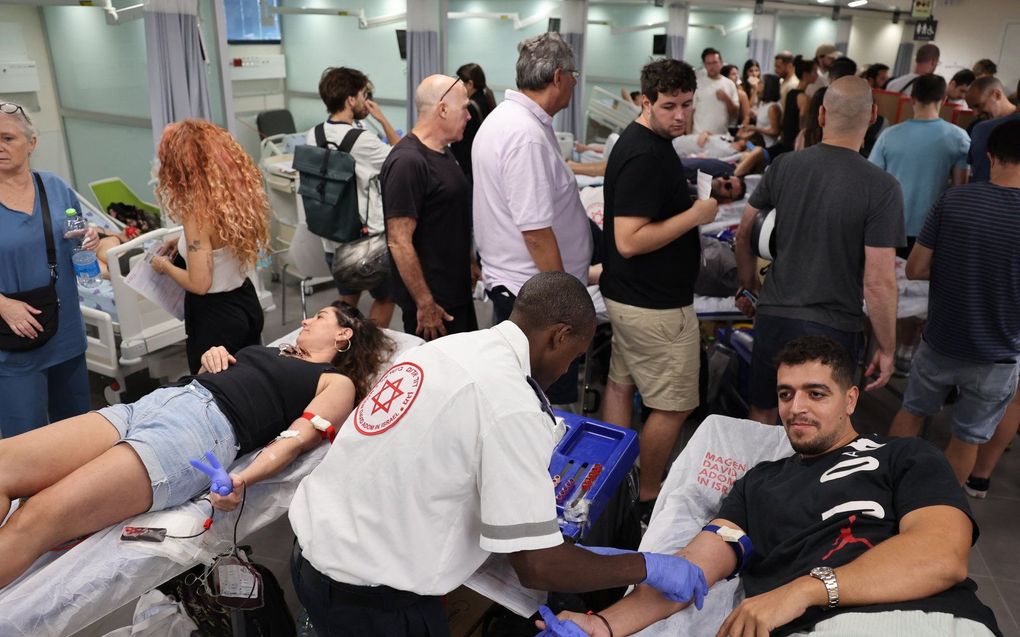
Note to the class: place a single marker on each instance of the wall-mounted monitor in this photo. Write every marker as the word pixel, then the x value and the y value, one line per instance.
pixel 402 43
pixel 659 44
pixel 554 25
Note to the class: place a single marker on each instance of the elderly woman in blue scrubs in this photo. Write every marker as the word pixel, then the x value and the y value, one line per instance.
pixel 48 383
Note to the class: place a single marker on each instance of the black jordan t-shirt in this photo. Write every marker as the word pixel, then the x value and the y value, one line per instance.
pixel 826 511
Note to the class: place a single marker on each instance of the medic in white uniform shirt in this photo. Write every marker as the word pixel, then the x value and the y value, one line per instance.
pixel 446 461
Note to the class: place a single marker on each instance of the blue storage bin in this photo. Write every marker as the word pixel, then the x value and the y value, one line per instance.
pixel 590 442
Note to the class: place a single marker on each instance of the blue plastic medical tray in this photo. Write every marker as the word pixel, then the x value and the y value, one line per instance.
pixel 592 442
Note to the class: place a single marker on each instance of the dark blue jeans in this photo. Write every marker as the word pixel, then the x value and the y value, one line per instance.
pixel 564 390
pixel 31 400
pixel 345 610
pixel 771 333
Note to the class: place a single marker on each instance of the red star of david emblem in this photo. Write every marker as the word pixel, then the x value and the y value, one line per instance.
pixel 382 404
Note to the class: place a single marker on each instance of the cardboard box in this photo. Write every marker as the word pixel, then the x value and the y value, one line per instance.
pixel 464 611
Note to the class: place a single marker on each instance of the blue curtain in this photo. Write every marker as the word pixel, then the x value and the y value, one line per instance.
pixel 763 41
pixel 178 84
pixel 571 119
pixel 904 57
pixel 423 59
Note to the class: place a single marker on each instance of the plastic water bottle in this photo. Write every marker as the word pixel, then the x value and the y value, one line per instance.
pixel 86 265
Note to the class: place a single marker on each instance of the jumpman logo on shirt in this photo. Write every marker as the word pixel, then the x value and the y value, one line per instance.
pixel 846 536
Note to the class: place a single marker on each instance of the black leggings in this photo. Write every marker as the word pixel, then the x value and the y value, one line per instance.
pixel 232 319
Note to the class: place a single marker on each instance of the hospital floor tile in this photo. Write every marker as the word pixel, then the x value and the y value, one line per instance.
pixel 1009 619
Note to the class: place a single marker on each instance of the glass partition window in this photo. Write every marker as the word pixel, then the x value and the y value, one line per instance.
pixel 244 22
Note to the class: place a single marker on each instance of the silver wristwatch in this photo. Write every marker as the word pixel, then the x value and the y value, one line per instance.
pixel 826 576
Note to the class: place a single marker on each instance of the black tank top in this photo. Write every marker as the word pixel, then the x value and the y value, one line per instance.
pixel 791 118
pixel 263 393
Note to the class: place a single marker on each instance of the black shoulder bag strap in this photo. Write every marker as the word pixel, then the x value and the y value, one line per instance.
pixel 347 143
pixel 44 210
pixel 909 84
pixel 320 136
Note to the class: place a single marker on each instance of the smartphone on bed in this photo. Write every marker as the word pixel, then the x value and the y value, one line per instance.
pixel 142 534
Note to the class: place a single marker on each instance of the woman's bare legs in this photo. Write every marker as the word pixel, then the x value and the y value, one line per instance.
pixel 39 458
pixel 106 490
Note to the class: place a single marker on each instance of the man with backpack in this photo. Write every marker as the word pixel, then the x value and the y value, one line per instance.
pixel 347 95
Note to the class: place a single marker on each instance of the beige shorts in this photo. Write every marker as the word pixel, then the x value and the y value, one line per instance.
pixel 658 351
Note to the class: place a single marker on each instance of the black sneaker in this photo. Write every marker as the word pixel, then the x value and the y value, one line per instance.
pixel 644 511
pixel 977 487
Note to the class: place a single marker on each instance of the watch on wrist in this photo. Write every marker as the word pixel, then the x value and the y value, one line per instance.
pixel 738 541
pixel 827 576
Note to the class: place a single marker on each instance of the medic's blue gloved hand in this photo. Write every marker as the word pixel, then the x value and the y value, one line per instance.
pixel 555 627
pixel 677 579
pixel 221 482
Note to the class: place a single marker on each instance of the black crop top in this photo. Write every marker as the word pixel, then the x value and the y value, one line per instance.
pixel 263 393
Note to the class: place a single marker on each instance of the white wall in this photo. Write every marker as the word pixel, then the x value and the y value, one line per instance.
pixel 973 29
pixel 874 40
pixel 21 38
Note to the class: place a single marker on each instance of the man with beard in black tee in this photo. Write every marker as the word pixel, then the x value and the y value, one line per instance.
pixel 852 535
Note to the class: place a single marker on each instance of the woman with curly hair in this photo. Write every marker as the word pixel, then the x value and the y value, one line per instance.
pixel 208 184
pixel 91 471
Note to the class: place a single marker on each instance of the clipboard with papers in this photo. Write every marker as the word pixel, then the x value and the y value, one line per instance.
pixel 158 288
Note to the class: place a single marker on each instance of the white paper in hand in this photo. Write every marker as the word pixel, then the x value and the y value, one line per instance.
pixel 704 185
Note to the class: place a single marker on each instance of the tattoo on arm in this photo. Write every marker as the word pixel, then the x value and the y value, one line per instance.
pixel 194 246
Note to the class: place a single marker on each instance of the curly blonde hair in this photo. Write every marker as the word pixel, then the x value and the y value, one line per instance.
pixel 205 175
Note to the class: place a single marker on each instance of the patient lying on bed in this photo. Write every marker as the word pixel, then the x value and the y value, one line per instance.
pixel 81 479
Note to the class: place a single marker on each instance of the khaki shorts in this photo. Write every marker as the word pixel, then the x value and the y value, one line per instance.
pixel 658 351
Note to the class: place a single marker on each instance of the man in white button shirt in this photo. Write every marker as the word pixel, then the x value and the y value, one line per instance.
pixel 715 101
pixel 528 216
pixel 446 461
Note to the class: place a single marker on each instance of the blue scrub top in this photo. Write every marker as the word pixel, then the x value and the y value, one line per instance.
pixel 23 267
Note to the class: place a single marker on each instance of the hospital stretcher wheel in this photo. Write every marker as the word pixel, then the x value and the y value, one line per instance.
pixel 113 394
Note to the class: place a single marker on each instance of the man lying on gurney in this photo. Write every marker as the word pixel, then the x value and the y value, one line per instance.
pixel 81 479
pixel 852 535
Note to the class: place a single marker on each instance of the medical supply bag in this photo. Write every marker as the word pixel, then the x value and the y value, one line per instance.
pixel 328 186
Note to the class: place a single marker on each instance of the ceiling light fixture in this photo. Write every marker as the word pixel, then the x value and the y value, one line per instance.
pixel 856 3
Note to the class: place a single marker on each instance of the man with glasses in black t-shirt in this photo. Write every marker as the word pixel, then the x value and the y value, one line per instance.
pixel 427 206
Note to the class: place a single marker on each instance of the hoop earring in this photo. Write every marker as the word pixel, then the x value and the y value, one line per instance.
pixel 347 347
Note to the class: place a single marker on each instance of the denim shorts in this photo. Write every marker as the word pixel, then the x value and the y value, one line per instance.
pixel 986 389
pixel 169 427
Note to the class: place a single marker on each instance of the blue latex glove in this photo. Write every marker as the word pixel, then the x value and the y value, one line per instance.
pixel 605 550
pixel 555 627
pixel 677 579
pixel 221 482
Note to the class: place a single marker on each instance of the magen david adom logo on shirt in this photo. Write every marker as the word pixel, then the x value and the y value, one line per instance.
pixel 389 399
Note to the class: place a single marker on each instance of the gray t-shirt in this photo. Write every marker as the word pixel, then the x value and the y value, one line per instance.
pixel 830 202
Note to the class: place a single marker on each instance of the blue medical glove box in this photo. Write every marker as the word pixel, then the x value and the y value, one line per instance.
pixel 592 442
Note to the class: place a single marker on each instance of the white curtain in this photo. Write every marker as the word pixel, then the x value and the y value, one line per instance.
pixel 763 40
pixel 676 31
pixel 426 20
pixel 178 84
pixel 572 28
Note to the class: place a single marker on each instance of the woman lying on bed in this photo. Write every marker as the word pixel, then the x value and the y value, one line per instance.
pixel 81 479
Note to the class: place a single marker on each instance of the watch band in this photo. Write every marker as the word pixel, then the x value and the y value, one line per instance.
pixel 323 426
pixel 827 576
pixel 738 541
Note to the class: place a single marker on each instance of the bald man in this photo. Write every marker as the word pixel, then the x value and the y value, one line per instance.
pixel 839 220
pixel 427 206
pixel 987 96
